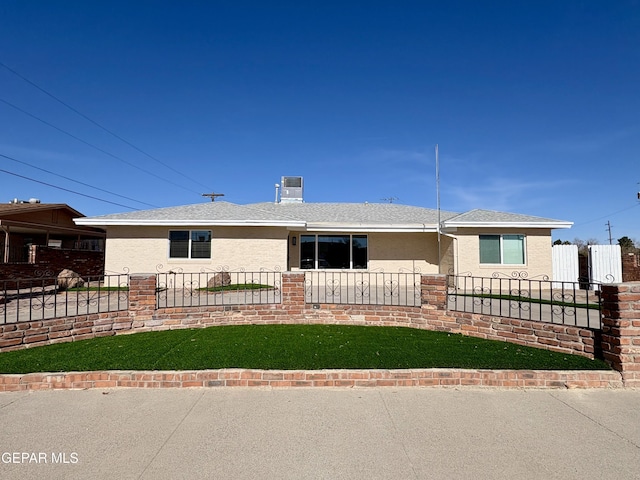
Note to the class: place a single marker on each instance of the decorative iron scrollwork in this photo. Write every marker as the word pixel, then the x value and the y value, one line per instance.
pixel 452 271
pixel 333 288
pixel 523 302
pixel 308 286
pixel 276 269
pixel 409 270
pixel 391 288
pixel 362 289
pixel 125 271
pixel 481 296
pixel 522 275
pixel 160 268
pixel 43 273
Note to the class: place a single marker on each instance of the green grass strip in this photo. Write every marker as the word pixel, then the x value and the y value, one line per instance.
pixel 288 347
pixel 236 286
pixel 100 289
pixel 518 298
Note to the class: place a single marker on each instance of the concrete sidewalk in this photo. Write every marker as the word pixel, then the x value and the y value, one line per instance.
pixel 248 433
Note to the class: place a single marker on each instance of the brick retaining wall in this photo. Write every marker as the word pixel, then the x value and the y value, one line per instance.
pixel 620 337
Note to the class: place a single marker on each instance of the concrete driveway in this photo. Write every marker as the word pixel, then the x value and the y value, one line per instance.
pixel 240 433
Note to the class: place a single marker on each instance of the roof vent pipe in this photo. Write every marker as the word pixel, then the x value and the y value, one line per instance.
pixel 277 188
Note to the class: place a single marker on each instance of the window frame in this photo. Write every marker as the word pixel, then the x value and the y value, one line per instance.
pixel 316 260
pixel 190 244
pixel 501 238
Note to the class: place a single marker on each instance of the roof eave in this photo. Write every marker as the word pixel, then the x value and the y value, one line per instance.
pixel 364 228
pixel 185 223
pixel 545 225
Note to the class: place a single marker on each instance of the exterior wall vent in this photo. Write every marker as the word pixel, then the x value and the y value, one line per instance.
pixel 291 190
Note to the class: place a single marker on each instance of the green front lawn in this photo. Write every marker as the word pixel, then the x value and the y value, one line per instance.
pixel 288 347
pixel 236 286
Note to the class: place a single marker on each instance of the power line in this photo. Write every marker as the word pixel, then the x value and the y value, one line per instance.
pixel 66 189
pixel 608 215
pixel 93 146
pixel 76 181
pixel 99 125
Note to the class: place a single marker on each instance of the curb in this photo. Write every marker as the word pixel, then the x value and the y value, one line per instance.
pixel 432 377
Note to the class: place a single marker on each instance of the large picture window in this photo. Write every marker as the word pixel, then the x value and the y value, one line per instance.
pixel 502 249
pixel 333 251
pixel 190 244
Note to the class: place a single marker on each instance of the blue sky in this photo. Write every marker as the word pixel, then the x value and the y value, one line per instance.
pixel 535 105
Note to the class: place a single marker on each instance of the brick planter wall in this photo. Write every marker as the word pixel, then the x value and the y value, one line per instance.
pixel 428 377
pixel 620 336
pixel 621 330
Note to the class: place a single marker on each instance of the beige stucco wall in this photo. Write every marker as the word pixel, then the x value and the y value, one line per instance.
pixel 146 250
pixel 538 246
pixel 390 252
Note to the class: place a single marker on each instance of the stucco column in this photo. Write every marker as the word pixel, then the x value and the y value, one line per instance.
pixel 621 330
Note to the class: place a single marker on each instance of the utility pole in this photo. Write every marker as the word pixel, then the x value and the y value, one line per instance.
pixel 213 195
pixel 608 225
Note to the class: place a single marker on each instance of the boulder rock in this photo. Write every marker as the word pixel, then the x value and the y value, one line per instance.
pixel 221 279
pixel 69 279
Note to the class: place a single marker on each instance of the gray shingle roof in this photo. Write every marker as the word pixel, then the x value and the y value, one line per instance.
pixel 196 213
pixel 318 215
pixel 354 213
pixel 492 217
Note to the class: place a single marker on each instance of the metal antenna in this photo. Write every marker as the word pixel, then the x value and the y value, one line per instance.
pixel 213 195
pixel 438 207
pixel 390 199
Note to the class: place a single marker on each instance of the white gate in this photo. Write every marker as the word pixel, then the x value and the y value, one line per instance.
pixel 605 264
pixel 565 264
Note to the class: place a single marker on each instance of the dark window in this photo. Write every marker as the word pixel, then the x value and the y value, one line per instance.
pixel 186 244
pixel 307 251
pixel 178 244
pixel 333 251
pixel 359 246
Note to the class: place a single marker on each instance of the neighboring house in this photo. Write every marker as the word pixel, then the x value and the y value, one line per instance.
pixel 293 235
pixel 25 225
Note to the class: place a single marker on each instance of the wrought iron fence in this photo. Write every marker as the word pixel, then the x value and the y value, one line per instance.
pixel 516 296
pixel 19 254
pixel 211 288
pixel 363 288
pixel 33 299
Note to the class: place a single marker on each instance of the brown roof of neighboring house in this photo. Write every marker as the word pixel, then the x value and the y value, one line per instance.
pixel 14 208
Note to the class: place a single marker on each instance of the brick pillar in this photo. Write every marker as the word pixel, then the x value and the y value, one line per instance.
pixel 621 330
pixel 142 297
pixel 293 292
pixel 433 291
